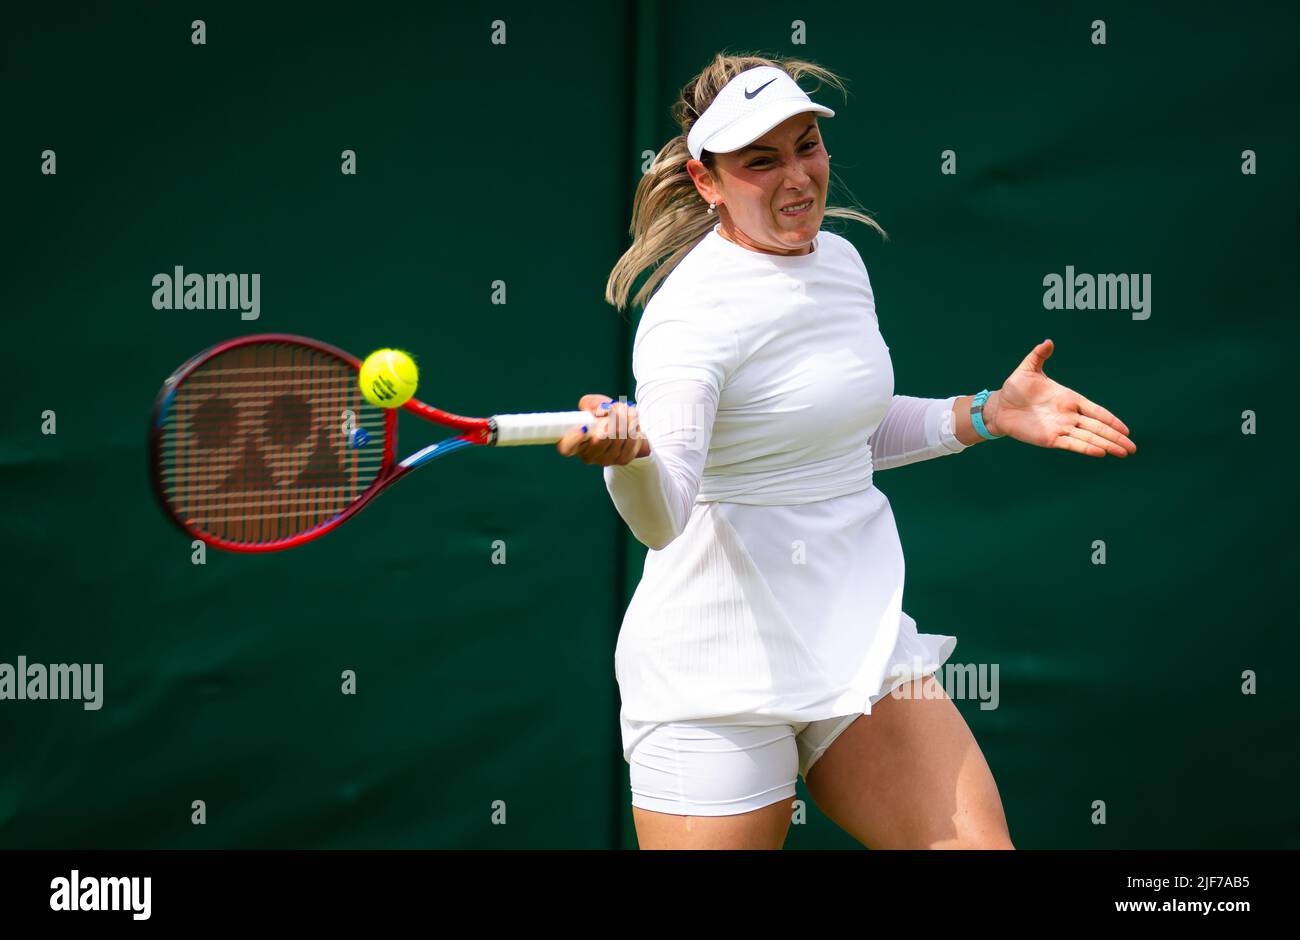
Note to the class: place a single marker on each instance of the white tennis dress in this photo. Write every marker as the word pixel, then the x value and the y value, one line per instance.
pixel 774 581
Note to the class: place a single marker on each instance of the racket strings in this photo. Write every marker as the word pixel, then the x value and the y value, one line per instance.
pixel 267 441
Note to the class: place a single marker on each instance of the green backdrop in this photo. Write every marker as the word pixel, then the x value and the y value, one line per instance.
pixel 480 162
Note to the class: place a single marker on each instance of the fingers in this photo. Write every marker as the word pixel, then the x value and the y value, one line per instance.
pixel 616 437
pixel 613 438
pixel 1095 445
pixel 1091 443
pixel 1108 437
pixel 591 401
pixel 576 441
pixel 1094 410
pixel 1037 356
pixel 569 445
pixel 1079 446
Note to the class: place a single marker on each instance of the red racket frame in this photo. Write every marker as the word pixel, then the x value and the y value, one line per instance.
pixel 477 431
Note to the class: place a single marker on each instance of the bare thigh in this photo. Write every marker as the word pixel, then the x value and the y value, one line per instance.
pixel 911 776
pixel 763 828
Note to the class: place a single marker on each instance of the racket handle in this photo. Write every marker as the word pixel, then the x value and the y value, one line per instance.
pixel 542 427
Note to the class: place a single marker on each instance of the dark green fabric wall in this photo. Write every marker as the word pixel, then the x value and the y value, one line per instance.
pixel 480 682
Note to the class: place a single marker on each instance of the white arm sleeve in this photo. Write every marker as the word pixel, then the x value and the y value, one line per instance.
pixel 680 361
pixel 655 494
pixel 914 429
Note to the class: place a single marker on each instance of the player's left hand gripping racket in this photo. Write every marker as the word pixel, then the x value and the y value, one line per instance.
pixel 265 442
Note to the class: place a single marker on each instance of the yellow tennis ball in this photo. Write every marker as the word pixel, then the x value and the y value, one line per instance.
pixel 388 378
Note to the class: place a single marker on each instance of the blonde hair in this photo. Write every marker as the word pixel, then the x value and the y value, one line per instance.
pixel 668 215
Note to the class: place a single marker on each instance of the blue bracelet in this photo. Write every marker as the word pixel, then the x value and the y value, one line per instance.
pixel 977 416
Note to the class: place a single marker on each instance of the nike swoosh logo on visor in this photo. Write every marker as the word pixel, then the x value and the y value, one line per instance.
pixel 751 94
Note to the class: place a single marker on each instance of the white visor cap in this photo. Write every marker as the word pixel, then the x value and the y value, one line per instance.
pixel 749 106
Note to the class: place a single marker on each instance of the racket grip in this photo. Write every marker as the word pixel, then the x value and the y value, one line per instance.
pixel 542 427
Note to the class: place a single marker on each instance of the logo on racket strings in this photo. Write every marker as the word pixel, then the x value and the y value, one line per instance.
pixel 246 445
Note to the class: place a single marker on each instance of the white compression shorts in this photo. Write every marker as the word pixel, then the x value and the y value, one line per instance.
pixel 719 768
pixel 725 766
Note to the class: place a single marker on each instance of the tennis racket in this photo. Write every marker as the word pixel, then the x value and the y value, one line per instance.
pixel 265 442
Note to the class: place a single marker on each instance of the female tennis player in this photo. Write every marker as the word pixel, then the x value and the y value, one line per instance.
pixel 766 638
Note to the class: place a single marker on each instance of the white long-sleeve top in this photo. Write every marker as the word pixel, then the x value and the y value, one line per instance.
pixel 774 580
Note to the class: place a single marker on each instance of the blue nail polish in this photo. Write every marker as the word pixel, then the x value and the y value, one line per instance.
pixel 584 429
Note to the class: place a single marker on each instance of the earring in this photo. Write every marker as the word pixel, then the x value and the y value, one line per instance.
pixel 711 205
